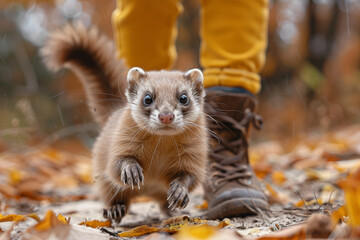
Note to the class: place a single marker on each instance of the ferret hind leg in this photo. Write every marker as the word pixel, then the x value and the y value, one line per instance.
pixel 116 200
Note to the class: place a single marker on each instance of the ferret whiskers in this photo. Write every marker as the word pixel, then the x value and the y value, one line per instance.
pixel 154 152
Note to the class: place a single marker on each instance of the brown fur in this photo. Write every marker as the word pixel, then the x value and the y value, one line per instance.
pixel 92 57
pixel 174 155
pixel 171 158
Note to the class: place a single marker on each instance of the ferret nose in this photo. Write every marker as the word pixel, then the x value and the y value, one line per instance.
pixel 166 117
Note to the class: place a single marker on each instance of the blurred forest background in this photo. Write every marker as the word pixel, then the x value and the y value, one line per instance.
pixel 311 81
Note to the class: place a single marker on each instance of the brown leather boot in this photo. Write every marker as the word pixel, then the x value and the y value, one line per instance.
pixel 232 189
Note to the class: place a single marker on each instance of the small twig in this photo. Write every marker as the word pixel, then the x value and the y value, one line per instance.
pixel 330 198
pixel 317 199
pixel 298 192
pixel 111 233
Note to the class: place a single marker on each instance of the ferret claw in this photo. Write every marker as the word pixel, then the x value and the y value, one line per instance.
pixel 115 212
pixel 177 196
pixel 132 174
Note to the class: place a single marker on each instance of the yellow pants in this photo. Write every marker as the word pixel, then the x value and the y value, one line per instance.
pixel 233 34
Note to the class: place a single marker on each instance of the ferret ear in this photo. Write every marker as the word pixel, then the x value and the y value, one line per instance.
pixel 195 75
pixel 134 76
pixel 197 78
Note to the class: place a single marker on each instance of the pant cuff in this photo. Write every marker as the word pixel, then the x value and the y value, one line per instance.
pixel 231 77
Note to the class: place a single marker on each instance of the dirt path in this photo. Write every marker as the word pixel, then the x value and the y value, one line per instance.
pixel 299 183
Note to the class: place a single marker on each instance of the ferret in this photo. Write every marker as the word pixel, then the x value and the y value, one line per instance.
pixel 154 138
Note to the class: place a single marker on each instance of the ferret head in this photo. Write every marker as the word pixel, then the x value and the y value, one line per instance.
pixel 165 102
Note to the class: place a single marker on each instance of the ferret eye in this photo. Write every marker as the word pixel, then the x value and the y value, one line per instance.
pixel 147 100
pixel 184 99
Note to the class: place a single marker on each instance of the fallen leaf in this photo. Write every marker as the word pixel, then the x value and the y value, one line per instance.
pixel 278 177
pixel 50 221
pixel 339 214
pixel 65 232
pixel 96 224
pixel 352 196
pixel 301 202
pixel 12 217
pixel 138 231
pixel 206 231
pixel 202 206
pixel 177 226
pixel 262 169
pixel 34 216
pixel 274 197
pixel 223 223
pixel 175 219
pixel 15 176
pixel 174 227
pixel 196 232
pixel 63 219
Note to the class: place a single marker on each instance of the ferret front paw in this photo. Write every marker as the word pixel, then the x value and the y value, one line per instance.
pixel 177 195
pixel 132 174
pixel 115 212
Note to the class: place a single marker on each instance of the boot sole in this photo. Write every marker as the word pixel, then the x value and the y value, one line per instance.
pixel 237 207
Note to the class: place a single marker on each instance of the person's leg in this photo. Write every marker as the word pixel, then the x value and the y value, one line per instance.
pixel 145 32
pixel 234 36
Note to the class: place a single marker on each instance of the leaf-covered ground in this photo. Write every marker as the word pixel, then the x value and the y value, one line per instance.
pixel 45 192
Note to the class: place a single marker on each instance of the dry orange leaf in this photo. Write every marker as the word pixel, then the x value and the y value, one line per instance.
pixel 12 217
pixel 174 227
pixel 34 216
pixel 50 220
pixel 223 223
pixel 177 219
pixel 203 231
pixel 96 224
pixel 138 231
pixel 274 196
pixel 196 232
pixel 18 218
pixel 352 196
pixel 308 203
pixel 15 177
pixel 278 177
pixel 63 219
pixel 202 206
pixel 262 169
pixel 339 214
pixel 188 222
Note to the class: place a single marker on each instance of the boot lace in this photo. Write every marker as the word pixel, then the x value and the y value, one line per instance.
pixel 236 167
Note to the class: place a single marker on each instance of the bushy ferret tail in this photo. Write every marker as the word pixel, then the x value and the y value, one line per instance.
pixel 92 57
